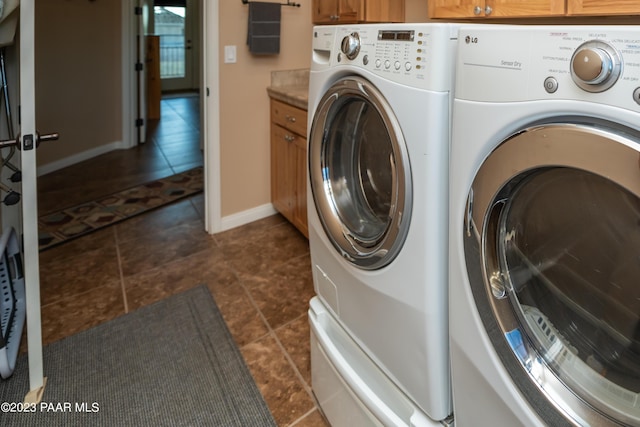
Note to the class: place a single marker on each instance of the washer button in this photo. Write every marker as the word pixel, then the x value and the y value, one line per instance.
pixel 407 66
pixel 387 64
pixel 365 60
pixel 636 95
pixel 378 63
pixel 550 84
pixel 397 65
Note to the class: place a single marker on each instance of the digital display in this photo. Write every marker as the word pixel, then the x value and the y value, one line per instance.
pixel 396 35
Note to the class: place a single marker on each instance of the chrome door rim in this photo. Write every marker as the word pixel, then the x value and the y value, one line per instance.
pixel 362 252
pixel 485 206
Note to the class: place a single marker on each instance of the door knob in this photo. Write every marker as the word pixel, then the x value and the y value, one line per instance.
pixel 28 140
pixel 47 137
pixel 8 143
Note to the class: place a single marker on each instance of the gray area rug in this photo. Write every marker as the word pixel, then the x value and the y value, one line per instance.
pixel 173 363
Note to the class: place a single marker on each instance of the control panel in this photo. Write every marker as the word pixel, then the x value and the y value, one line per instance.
pixel 413 54
pixel 595 64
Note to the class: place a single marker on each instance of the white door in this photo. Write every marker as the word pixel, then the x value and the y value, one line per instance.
pixel 29 198
pixel 179 44
pixel 142 18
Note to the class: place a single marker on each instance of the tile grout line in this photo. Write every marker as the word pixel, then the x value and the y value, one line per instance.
pixel 271 332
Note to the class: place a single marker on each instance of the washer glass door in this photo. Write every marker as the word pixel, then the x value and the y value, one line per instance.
pixel 359 173
pixel 557 211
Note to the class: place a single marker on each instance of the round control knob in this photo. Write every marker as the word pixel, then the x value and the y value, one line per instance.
pixel 351 45
pixel 595 66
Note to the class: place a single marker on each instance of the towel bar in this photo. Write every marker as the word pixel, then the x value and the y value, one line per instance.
pixel 288 3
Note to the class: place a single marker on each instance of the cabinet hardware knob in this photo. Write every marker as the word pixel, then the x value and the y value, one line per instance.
pixel 477 10
pixel 488 10
pixel 290 118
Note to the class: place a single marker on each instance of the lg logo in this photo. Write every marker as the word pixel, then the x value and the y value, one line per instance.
pixel 470 39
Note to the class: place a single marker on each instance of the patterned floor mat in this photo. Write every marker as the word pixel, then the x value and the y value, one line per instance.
pixel 59 227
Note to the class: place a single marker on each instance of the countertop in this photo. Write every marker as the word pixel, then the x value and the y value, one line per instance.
pixel 290 86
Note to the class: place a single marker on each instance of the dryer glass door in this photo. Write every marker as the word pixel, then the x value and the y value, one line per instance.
pixel 359 173
pixel 561 260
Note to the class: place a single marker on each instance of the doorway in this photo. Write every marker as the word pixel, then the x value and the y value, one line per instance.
pixel 127 164
pixel 175 22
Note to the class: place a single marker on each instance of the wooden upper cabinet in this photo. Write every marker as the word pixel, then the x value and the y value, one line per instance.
pixel 495 8
pixel 455 8
pixel 384 11
pixel 353 11
pixel 524 8
pixel 459 9
pixel 599 7
pixel 325 11
pixel 350 10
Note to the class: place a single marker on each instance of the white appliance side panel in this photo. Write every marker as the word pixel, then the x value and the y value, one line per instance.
pixel 350 388
pixel 410 341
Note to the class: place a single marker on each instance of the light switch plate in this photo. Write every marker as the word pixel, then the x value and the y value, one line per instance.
pixel 230 54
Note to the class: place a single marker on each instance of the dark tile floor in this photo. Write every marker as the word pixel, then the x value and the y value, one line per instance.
pixel 259 274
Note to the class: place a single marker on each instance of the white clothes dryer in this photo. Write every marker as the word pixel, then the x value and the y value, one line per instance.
pixel 379 128
pixel 545 227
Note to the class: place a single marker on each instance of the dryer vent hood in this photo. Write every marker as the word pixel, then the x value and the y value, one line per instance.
pixel 8 21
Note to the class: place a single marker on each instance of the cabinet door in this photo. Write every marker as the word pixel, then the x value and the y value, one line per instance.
pixel 456 8
pixel 350 10
pixel 523 8
pixel 599 7
pixel 325 11
pixel 495 8
pixel 300 210
pixel 283 171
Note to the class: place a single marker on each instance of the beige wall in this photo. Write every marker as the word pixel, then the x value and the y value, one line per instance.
pixel 244 103
pixel 78 75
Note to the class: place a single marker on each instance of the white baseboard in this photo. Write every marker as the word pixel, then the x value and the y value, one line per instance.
pixel 79 157
pixel 241 218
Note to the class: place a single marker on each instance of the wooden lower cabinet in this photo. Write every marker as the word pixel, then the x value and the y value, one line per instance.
pixel 289 163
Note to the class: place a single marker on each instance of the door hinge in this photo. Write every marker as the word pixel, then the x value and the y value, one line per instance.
pixel 138 10
pixel 139 66
pixel 139 122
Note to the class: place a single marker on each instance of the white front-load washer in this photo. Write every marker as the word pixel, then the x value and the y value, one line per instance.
pixel 379 128
pixel 545 227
